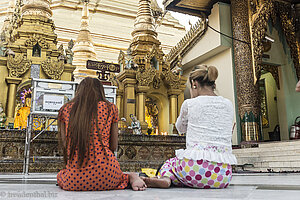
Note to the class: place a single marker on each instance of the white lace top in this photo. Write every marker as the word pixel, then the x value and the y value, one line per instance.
pixel 207 122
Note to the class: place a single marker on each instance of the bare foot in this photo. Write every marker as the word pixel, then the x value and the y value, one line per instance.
pixel 137 184
pixel 163 182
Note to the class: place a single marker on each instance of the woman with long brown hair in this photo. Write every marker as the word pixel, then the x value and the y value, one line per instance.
pixel 88 135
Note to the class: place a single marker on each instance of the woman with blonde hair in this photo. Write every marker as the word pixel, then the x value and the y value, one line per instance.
pixel 207 121
pixel 88 134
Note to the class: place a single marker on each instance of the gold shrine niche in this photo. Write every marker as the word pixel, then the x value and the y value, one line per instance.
pixel 29 50
pixel 147 77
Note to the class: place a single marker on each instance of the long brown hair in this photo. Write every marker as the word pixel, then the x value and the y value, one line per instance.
pixel 83 118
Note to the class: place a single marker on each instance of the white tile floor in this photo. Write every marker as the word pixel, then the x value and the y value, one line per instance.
pixel 244 186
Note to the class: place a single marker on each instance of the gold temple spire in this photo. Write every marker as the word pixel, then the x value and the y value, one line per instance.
pixel 144 22
pixel 144 34
pixel 84 49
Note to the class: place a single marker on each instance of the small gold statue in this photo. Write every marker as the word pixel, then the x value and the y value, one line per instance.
pixel 22 114
pixel 2 116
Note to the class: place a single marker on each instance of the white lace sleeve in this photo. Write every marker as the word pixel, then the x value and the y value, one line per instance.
pixel 182 120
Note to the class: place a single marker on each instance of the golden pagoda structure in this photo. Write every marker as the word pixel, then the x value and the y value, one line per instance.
pixel 84 49
pixel 29 50
pixel 147 88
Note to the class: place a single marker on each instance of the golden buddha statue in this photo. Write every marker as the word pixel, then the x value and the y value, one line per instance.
pixel 22 114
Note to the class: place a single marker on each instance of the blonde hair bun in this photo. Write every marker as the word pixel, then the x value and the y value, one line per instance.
pixel 212 73
pixel 204 75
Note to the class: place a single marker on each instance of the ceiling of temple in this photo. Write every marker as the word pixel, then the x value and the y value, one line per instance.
pixel 195 7
pixel 191 6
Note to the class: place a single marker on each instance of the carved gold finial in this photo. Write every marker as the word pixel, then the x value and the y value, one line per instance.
pixel 37 7
pixel 144 22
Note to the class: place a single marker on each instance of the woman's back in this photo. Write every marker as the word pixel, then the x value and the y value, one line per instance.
pixel 96 149
pixel 210 120
pixel 207 122
pixel 101 170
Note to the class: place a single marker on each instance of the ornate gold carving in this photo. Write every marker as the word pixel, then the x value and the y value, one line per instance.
pixel 289 29
pixel 140 150
pixel 258 25
pixel 114 80
pixel 247 92
pixel 120 151
pixel 143 153
pixel 144 78
pixel 37 39
pixel 17 65
pixel 261 12
pixel 156 82
pixel 157 153
pixel 53 69
pixel 121 58
pixel 130 152
pixel 273 69
pixel 172 79
pixel 155 53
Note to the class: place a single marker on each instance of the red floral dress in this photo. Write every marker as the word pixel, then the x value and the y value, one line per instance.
pixel 99 173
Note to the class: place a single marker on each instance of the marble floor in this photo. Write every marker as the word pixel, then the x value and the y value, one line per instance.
pixel 244 186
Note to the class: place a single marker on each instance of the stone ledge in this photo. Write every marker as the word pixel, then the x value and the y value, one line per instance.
pixel 134 151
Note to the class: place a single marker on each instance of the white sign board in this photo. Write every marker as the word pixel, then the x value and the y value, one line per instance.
pixel 110 93
pixel 50 95
pixel 53 102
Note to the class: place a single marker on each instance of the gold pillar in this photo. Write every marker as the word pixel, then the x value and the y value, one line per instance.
pixel 173 101
pixel 247 92
pixel 129 98
pixel 173 108
pixel 12 91
pixel 141 98
pixel 180 102
pixel 119 102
